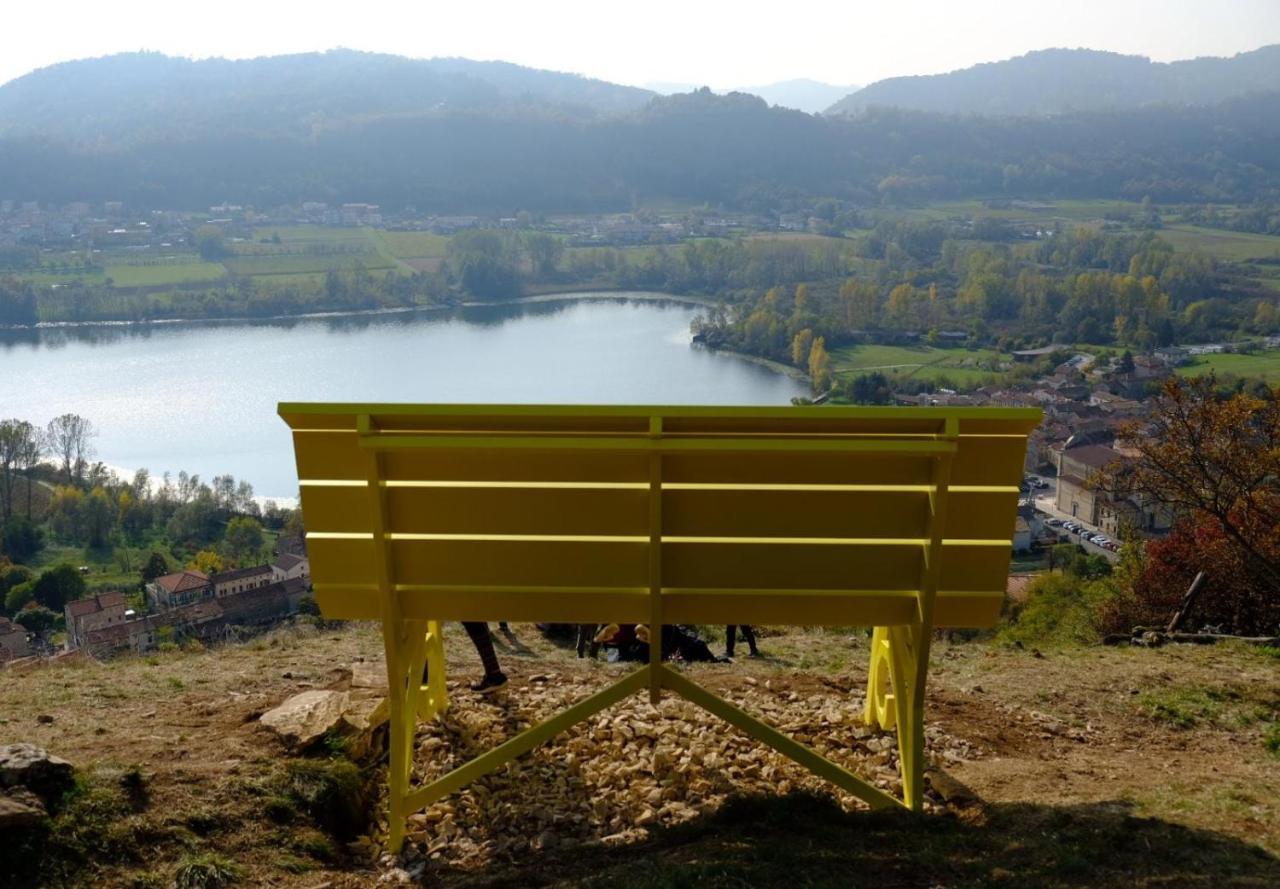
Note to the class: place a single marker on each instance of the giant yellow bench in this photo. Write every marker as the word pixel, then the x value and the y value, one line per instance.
pixel 899 519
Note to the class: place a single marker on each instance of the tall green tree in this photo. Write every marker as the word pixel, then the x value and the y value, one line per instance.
pixel 59 585
pixel 243 538
pixel 69 437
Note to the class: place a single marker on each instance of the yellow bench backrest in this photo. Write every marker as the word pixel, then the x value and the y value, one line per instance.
pixel 810 515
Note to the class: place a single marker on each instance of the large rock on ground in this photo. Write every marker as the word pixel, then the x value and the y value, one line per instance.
pixel 305 718
pixel 32 767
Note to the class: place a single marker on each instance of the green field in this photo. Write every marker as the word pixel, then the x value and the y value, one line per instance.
pixel 961 366
pixel 1264 365
pixel 1039 211
pixel 184 272
pixel 312 234
pixel 298 263
pixel 46 278
pixel 414 245
pixel 1222 244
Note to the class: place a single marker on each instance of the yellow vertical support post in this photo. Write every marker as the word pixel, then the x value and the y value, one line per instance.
pixel 881 706
pixel 655 564
pixel 434 697
pixel 399 683
pixel 913 655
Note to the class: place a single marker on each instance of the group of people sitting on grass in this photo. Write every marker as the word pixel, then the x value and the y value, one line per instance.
pixel 622 642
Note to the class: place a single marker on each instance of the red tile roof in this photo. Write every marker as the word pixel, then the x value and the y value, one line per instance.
pixel 182 581
pixel 1093 456
pixel 94 604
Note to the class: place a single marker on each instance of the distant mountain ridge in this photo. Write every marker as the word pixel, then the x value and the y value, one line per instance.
pixel 454 136
pixel 1056 81
pixel 800 94
pixel 121 98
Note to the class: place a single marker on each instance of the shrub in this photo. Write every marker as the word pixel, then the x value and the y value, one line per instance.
pixel 208 871
pixel 18 596
pixel 21 539
pixel 1059 609
pixel 1236 595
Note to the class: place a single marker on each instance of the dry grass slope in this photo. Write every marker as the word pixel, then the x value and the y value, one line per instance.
pixel 1084 767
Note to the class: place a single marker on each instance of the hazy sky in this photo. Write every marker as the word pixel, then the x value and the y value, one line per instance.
pixel 720 44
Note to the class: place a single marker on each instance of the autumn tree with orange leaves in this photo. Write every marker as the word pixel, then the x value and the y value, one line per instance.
pixel 1215 461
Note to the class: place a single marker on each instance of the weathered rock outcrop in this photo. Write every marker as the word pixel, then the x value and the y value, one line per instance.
pixel 32 767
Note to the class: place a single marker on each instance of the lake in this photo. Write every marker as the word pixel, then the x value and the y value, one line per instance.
pixel 202 396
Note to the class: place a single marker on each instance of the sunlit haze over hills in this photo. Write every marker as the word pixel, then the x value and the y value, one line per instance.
pixel 720 44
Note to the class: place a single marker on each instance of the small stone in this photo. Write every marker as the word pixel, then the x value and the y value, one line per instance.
pixel 44 719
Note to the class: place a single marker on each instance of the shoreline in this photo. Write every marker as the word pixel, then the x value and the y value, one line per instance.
pixel 568 296
pixel 786 370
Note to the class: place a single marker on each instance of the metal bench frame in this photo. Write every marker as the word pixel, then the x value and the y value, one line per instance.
pixel 351 480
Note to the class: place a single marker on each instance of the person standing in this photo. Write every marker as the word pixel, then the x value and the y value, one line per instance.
pixel 493 678
pixel 730 634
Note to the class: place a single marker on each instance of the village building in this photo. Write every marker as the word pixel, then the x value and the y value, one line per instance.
pixel 238 580
pixel 209 620
pixel 179 588
pixel 1076 466
pixel 85 615
pixel 288 566
pixel 14 642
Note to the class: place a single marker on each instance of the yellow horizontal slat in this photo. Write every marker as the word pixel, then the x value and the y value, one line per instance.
pixel 637 444
pixel 525 603
pixel 483 562
pixel 790 566
pixel 514 466
pixel 519 510
pixel 791 513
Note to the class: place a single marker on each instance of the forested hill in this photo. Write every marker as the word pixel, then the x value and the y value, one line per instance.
pixel 1054 81
pixel 134 98
pixel 696 147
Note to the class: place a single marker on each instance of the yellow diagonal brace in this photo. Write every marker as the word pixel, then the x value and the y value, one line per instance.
pixel 526 741
pixel 788 747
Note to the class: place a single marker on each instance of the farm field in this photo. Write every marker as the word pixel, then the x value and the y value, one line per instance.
pixel 962 366
pixel 184 271
pixel 1222 244
pixel 1076 211
pixel 297 263
pixel 414 245
pixel 1264 365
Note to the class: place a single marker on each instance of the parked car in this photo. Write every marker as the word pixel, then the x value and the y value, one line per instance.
pixel 1041 483
pixel 1053 523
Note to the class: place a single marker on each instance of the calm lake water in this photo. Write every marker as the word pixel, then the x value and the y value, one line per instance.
pixel 202 396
